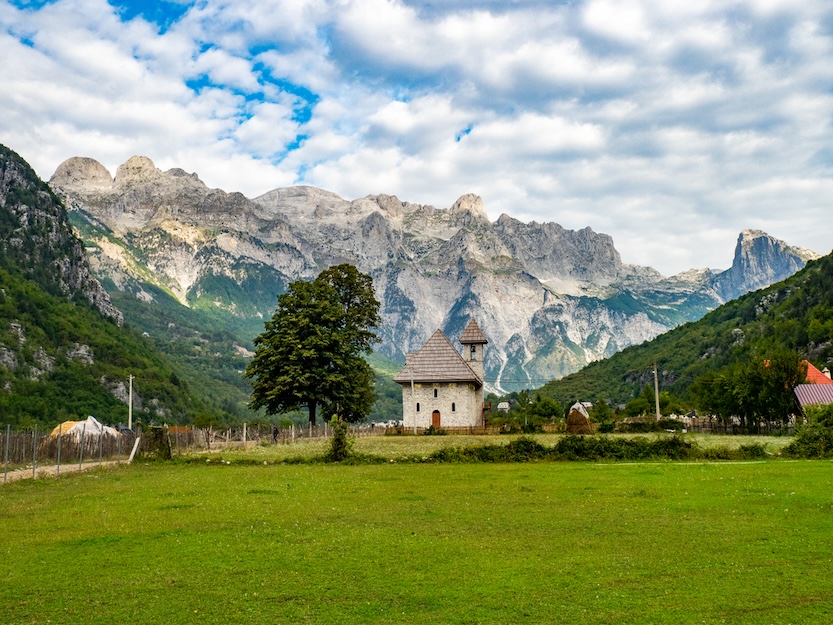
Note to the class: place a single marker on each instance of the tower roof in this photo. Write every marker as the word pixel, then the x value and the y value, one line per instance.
pixel 437 361
pixel 472 334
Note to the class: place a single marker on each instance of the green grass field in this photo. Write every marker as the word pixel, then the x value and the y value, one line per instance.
pixel 420 543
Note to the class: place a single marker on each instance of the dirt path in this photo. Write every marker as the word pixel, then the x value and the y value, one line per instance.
pixel 50 470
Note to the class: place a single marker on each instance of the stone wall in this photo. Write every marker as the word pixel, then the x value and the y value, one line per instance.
pixel 460 405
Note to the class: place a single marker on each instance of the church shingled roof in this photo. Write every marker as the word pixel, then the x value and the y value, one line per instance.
pixel 472 334
pixel 437 361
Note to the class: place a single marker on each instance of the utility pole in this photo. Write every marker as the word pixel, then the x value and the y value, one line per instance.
pixel 656 389
pixel 130 406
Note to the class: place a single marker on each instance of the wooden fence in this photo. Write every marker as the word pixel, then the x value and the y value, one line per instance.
pixel 33 449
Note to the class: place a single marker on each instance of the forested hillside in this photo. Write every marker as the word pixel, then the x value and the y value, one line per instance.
pixel 63 351
pixel 796 314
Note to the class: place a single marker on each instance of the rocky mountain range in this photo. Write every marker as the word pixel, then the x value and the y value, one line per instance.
pixel 65 353
pixel 549 299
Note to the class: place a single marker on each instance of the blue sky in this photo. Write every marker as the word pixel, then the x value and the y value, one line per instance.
pixel 670 127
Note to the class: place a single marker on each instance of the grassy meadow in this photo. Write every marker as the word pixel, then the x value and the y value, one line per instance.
pixel 421 543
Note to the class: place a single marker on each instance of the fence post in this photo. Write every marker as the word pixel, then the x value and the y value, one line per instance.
pixel 60 433
pixel 101 446
pixel 8 437
pixel 34 450
pixel 244 435
pixel 81 451
pixel 118 449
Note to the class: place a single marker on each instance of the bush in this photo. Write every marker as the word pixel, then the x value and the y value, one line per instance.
pixel 753 451
pixel 156 444
pixel 525 449
pixel 651 425
pixel 811 441
pixel 341 445
pixel 604 448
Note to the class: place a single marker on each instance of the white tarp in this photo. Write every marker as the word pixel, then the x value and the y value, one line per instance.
pixel 90 426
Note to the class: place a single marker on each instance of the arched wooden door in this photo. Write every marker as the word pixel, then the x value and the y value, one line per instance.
pixel 435 418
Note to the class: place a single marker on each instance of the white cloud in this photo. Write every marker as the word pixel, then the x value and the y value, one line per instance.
pixel 670 126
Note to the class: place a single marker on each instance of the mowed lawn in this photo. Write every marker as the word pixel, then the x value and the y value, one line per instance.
pixel 418 543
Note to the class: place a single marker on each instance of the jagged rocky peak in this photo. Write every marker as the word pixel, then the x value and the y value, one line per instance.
pixel 751 241
pixel 469 203
pixel 300 202
pixel 760 260
pixel 81 171
pixel 137 169
pixel 390 204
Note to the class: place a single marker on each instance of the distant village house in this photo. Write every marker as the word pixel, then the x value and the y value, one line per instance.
pixel 442 388
pixel 817 389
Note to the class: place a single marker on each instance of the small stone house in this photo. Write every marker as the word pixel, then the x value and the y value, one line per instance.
pixel 442 388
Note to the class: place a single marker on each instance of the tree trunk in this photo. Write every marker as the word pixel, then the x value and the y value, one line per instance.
pixel 312 406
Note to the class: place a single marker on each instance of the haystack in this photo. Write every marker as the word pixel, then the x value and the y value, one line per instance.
pixel 90 426
pixel 578 420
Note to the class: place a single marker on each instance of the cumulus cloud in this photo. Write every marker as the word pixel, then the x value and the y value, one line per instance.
pixel 670 126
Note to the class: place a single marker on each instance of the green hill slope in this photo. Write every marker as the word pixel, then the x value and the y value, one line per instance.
pixel 795 314
pixel 63 352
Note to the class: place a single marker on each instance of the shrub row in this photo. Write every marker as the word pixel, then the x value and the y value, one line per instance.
pixel 569 448
pixel 525 449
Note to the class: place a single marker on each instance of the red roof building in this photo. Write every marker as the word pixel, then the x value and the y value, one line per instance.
pixel 814 376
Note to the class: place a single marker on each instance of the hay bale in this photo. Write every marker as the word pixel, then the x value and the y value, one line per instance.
pixel 578 420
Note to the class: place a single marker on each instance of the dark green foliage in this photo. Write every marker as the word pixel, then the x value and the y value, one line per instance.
pixel 602 414
pixel 388 404
pixel 311 352
pixel 814 439
pixel 594 448
pixel 792 315
pixel 811 441
pixel 608 448
pixel 755 392
pixel 45 316
pixel 650 424
pixel 753 451
pixel 156 444
pixel 74 389
pixel 341 444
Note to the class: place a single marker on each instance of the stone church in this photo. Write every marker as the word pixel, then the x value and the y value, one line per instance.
pixel 442 388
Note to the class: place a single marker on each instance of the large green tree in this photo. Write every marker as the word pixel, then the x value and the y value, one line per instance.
pixel 757 391
pixel 311 351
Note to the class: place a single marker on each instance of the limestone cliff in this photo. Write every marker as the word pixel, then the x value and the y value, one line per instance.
pixel 36 237
pixel 549 299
